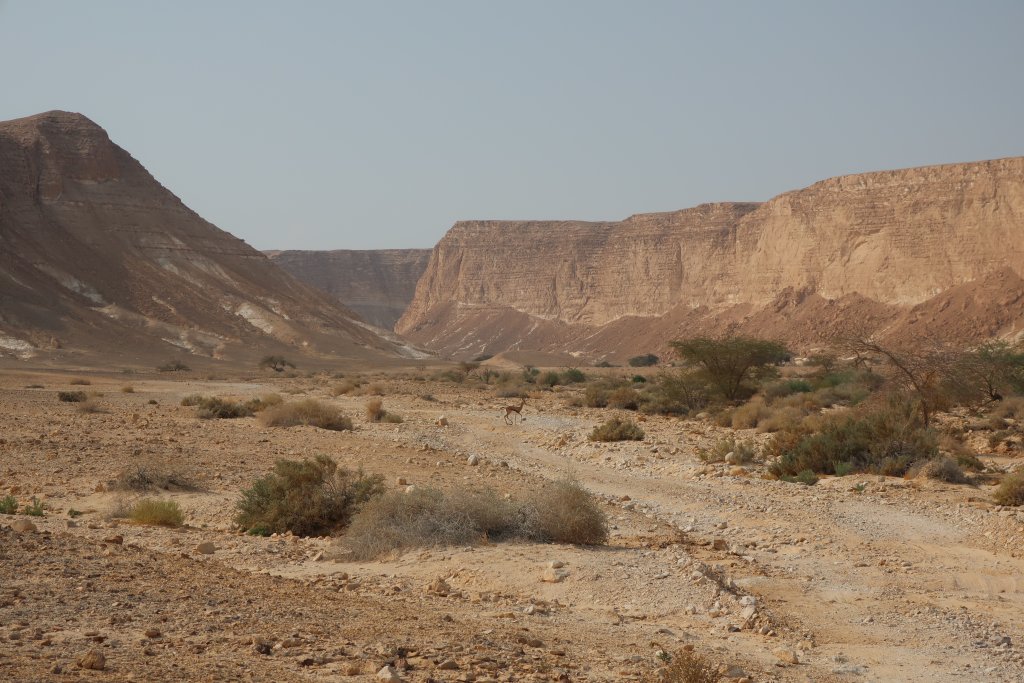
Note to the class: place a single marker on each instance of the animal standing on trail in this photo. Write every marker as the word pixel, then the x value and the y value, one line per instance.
pixel 512 411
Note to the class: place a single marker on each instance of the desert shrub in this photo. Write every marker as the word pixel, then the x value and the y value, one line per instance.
pixel 996 438
pixel 644 361
pixel 624 398
pixel 308 497
pixel 427 517
pixel 275 363
pixel 78 381
pixel 128 389
pixel 603 364
pixel 153 476
pixel 805 477
pixel 675 393
pixel 944 469
pixel 565 512
pixel 573 376
pixel 887 439
pixel 456 376
pixel 749 414
pixel 729 450
pixel 90 405
pixel 173 366
pixel 617 429
pixel 72 396
pixel 309 412
pixel 35 509
pixel 346 387
pixel 1010 407
pixel 155 512
pixel 215 408
pixel 549 379
pixel 964 456
pixel 687 667
pixel 513 392
pixel 787 417
pixel 8 505
pixel 638 379
pixel 266 401
pixel 1010 490
pixel 786 387
pixel 375 412
pixel 191 400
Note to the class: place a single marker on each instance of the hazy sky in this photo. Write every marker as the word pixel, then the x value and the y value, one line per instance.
pixel 377 124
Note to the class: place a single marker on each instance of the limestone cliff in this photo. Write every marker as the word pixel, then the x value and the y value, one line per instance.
pixel 874 245
pixel 96 257
pixel 378 284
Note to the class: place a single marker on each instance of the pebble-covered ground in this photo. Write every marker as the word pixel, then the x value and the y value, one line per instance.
pixel 857 578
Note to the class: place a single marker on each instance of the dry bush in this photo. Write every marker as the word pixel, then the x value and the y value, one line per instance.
pixel 154 476
pixel 959 451
pixel 216 408
pixel 308 412
pixel 943 469
pixel 749 414
pixel 308 497
pixel 346 387
pixel 372 389
pixel 156 512
pixel 687 667
pixel 72 396
pixel 565 512
pixel 1010 490
pixel 173 366
pixel 90 405
pixel 128 389
pixel 562 512
pixel 78 381
pixel 617 429
pixel 730 450
pixel 191 400
pixel 375 412
pixel 1011 407
pixel 624 398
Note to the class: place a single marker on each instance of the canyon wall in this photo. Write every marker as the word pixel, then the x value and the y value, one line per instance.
pixel 96 257
pixel 378 284
pixel 873 245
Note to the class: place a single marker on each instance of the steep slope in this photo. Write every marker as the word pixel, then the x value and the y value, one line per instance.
pixel 97 257
pixel 863 249
pixel 378 284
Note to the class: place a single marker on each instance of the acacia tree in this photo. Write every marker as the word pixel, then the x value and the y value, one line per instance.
pixel 923 369
pixel 276 363
pixel 731 363
pixel 989 371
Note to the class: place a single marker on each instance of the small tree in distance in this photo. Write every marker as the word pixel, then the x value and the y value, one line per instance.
pixel 276 363
pixel 730 364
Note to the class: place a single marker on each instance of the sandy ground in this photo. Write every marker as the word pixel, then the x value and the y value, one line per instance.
pixel 855 579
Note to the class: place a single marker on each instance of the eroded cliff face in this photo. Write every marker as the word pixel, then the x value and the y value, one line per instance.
pixel 378 284
pixel 97 256
pixel 866 247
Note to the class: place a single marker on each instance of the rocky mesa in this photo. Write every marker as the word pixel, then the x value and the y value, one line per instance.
pixel 378 284
pixel 889 250
pixel 96 256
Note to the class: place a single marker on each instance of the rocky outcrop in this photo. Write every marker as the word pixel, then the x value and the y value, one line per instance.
pixel 865 248
pixel 378 284
pixel 97 257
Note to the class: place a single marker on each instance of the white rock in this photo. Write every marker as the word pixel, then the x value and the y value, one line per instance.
pixel 388 673
pixel 473 460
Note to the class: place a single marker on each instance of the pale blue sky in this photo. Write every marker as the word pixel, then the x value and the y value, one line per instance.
pixel 378 124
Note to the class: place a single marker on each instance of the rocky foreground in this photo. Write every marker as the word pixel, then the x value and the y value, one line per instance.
pixel 855 579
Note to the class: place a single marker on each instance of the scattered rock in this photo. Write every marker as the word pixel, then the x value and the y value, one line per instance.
pixel 93 660
pixel 787 656
pixel 552 575
pixel 388 673
pixel 23 526
pixel 206 548
pixel 442 421
pixel 473 459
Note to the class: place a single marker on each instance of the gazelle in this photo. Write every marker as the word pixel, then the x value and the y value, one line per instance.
pixel 512 411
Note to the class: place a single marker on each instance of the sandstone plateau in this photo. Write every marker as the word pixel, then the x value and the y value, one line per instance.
pixel 378 284
pixel 96 256
pixel 933 250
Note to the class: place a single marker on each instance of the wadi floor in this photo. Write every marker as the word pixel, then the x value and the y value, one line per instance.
pixel 855 579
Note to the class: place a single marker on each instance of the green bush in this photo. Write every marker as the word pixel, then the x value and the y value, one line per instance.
pixel 733 365
pixel 36 508
pixel 644 361
pixel 308 497
pixel 674 393
pixel 786 387
pixel 8 505
pixel 573 376
pixel 617 429
pixel 309 412
pixel 549 379
pixel 886 440
pixel 72 396
pixel 805 477
pixel 155 512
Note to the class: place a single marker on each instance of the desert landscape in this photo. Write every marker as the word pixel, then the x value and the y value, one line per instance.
pixel 694 440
